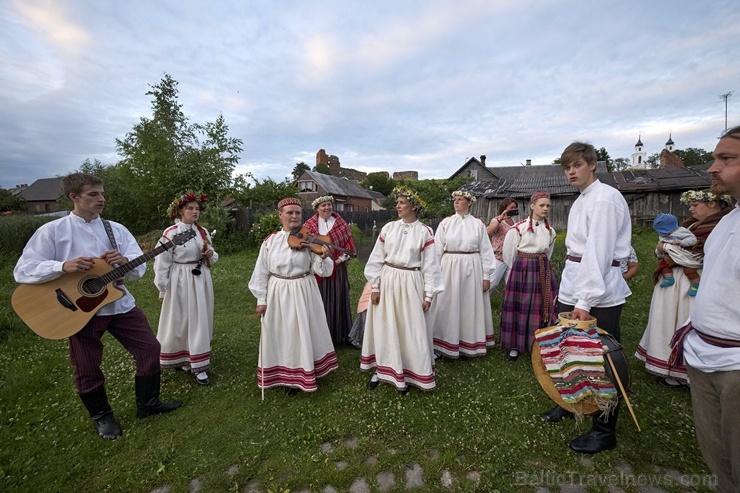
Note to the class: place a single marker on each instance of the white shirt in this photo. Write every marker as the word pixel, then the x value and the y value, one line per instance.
pixel 599 231
pixel 325 225
pixel 408 245
pixel 715 310
pixel 68 238
pixel 466 233
pixel 276 257
pixel 520 239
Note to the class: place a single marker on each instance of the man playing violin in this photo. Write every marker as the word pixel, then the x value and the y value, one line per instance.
pixel 334 289
pixel 295 346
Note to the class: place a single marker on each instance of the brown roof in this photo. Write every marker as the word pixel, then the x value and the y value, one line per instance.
pixel 42 190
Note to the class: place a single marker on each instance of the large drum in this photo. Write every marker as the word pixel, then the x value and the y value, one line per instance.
pixel 614 349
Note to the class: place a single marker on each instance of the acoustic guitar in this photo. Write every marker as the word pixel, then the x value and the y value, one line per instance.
pixel 62 307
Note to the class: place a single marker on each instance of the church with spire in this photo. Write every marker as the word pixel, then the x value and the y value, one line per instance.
pixel 667 158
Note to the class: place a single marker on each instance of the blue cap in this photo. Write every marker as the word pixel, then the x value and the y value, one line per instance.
pixel 665 223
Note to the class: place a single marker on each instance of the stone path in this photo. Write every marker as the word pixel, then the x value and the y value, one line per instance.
pixel 414 478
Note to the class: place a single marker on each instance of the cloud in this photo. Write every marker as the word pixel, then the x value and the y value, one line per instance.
pixel 383 85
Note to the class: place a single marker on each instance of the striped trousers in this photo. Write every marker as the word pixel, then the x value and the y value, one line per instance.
pixel 131 329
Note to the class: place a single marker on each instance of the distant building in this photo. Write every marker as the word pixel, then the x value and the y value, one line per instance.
pixel 639 157
pixel 348 194
pixel 666 160
pixel 42 195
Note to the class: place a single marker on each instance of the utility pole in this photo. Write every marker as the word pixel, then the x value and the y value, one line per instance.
pixel 726 96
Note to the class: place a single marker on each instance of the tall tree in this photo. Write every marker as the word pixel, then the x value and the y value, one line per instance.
pixel 694 156
pixel 249 191
pixel 322 168
pixel 602 155
pixel 619 164
pixel 379 182
pixel 163 156
pixel 653 161
pixel 299 169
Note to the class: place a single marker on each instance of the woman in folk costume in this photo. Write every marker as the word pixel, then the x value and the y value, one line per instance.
pixel 529 300
pixel 670 306
pixel 183 277
pixel 460 317
pixel 295 345
pixel 404 277
pixel 335 289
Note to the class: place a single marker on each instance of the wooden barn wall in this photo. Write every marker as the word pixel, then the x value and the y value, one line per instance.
pixel 643 206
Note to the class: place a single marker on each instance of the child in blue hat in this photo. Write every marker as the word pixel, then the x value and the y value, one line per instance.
pixel 674 241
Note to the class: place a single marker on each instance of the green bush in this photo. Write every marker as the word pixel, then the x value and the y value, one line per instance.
pixel 16 230
pixel 264 224
pixel 357 233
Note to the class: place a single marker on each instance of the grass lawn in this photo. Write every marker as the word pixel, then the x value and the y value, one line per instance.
pixel 483 416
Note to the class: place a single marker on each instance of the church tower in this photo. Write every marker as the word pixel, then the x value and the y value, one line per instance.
pixel 639 156
pixel 669 145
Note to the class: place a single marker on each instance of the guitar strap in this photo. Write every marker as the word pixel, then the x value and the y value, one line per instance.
pixel 109 232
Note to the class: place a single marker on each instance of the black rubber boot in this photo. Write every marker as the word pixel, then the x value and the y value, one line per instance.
pixel 147 397
pixel 556 414
pixel 603 435
pixel 97 405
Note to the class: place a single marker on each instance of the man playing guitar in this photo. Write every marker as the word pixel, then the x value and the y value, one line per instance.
pixel 71 245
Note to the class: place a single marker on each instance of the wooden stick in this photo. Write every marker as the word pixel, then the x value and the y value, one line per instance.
pixel 262 361
pixel 621 387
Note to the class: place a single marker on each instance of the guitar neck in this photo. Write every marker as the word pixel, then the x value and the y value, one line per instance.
pixel 122 270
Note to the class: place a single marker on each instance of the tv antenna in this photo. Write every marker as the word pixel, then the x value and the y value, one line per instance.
pixel 725 97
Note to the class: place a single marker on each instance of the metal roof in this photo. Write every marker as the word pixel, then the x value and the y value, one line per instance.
pixel 552 180
pixel 44 189
pixel 335 185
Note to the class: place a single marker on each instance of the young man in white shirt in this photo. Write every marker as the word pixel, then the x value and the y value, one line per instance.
pixel 72 244
pixel 598 237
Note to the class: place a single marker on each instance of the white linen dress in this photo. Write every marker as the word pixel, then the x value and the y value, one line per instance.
pixel 460 316
pixel 397 342
pixel 185 327
pixel 295 345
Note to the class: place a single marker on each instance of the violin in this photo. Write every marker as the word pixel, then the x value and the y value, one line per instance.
pixel 301 237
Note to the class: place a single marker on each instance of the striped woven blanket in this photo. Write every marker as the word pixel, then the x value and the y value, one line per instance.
pixel 574 359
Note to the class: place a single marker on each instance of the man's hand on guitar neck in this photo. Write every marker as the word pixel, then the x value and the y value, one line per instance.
pixel 80 264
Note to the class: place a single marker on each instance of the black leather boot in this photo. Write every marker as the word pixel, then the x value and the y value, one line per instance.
pixel 97 405
pixel 603 434
pixel 556 414
pixel 147 397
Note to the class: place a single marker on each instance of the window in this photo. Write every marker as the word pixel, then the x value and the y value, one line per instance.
pixel 307 186
pixel 473 173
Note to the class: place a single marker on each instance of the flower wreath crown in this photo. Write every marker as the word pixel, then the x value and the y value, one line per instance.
pixel 412 196
pixel 702 196
pixel 321 200
pixel 464 194
pixel 183 199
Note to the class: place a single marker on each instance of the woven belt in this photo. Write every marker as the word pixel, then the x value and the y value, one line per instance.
pixel 193 262
pixel 615 263
pixel 530 255
pixel 460 253
pixel 400 266
pixel 299 276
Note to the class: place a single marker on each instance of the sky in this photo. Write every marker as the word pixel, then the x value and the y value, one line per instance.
pixel 385 85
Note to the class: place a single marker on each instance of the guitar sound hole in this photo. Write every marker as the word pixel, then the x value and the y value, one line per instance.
pixel 92 286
